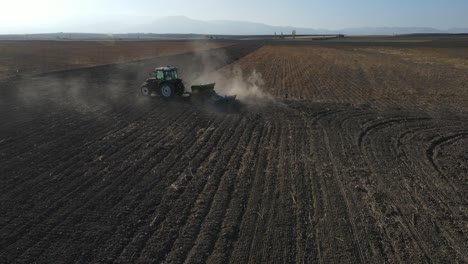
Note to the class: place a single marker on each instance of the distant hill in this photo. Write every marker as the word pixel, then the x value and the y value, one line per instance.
pixel 185 25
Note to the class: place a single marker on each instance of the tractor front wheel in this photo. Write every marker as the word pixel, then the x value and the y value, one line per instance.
pixel 145 91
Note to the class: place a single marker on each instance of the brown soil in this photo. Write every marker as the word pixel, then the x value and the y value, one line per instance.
pixel 33 57
pixel 425 78
pixel 339 167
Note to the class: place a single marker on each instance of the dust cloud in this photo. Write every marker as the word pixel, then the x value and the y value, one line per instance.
pixel 233 81
pixel 230 79
pixel 80 94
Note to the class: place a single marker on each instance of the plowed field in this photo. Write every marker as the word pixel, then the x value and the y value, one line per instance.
pixel 34 57
pixel 347 155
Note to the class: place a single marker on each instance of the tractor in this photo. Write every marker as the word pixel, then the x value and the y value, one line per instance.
pixel 165 82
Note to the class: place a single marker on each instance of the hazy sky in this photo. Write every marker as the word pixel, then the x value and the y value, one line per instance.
pixel 63 15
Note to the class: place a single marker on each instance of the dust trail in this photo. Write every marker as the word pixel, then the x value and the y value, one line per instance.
pixel 82 94
pixel 230 79
pixel 97 90
pixel 206 61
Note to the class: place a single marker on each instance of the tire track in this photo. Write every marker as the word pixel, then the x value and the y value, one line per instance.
pixel 210 227
pixel 173 200
pixel 397 213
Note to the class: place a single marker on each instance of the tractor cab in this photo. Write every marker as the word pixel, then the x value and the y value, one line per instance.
pixel 165 74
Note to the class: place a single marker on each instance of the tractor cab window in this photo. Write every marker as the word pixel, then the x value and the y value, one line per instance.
pixel 171 75
pixel 159 75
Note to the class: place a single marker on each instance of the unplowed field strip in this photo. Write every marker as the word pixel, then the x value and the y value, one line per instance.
pixel 358 76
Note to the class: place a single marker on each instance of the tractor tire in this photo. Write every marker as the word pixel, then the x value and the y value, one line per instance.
pixel 166 90
pixel 145 91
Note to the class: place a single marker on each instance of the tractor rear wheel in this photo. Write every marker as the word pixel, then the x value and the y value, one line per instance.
pixel 166 90
pixel 145 91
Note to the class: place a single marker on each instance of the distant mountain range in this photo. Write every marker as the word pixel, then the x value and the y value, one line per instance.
pixel 185 25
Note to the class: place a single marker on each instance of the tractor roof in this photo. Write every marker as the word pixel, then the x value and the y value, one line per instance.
pixel 167 68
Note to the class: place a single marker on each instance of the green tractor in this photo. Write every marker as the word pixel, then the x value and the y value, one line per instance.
pixel 165 82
